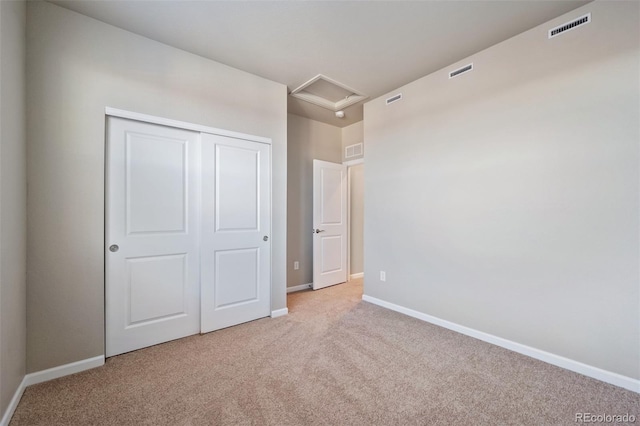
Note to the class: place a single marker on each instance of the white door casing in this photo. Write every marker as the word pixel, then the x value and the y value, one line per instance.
pixel 152 263
pixel 236 232
pixel 330 224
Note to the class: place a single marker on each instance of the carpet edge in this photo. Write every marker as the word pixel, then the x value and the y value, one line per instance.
pixel 548 357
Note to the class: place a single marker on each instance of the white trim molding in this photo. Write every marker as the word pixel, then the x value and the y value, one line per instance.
pixel 45 376
pixel 114 112
pixel 300 287
pixel 557 360
pixel 353 162
pixel 13 404
pixel 357 275
pixel 279 312
pixel 64 370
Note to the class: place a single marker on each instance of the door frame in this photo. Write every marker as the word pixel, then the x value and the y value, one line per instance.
pixel 349 165
pixel 151 119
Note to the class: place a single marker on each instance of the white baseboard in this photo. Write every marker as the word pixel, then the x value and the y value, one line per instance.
pixel 279 312
pixel 356 276
pixel 46 375
pixel 557 360
pixel 63 370
pixel 13 404
pixel 299 287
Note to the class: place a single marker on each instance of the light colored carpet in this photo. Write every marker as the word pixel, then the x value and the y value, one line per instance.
pixel 334 360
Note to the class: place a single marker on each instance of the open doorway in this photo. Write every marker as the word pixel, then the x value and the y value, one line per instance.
pixel 308 141
pixel 338 215
pixel 355 177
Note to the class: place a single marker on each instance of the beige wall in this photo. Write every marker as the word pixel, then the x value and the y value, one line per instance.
pixel 356 224
pixel 507 199
pixel 351 135
pixel 13 186
pixel 308 140
pixel 76 66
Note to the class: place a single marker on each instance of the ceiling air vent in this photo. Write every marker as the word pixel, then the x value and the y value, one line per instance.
pixel 462 70
pixel 353 150
pixel 394 98
pixel 327 93
pixel 570 25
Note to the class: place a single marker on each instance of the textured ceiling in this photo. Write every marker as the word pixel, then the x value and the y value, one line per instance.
pixel 372 46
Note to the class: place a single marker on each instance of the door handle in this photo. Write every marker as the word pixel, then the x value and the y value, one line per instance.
pixel 319 231
pixel 114 248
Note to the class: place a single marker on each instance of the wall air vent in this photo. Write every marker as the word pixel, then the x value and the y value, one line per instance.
pixel 585 19
pixel 354 150
pixel 393 99
pixel 462 70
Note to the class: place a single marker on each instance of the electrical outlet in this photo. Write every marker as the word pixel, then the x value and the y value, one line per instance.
pixel 383 276
pixel 296 265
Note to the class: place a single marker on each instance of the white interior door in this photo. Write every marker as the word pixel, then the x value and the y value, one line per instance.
pixel 152 262
pixel 330 224
pixel 236 225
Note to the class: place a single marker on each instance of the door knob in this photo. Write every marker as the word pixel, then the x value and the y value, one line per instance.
pixel 265 238
pixel 114 248
pixel 319 231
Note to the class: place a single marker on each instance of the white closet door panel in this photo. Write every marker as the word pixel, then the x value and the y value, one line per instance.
pixel 235 256
pixel 152 279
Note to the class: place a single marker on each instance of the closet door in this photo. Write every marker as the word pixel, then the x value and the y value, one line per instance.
pixel 152 259
pixel 236 224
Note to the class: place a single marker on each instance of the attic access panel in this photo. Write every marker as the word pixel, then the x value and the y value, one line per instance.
pixel 328 93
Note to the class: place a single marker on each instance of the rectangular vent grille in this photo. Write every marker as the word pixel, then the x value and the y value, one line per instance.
pixel 569 25
pixel 462 70
pixel 353 150
pixel 394 98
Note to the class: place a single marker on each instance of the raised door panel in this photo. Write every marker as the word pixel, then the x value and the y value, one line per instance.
pixel 237 189
pixel 157 288
pixel 236 277
pixel 332 256
pixel 332 196
pixel 156 184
